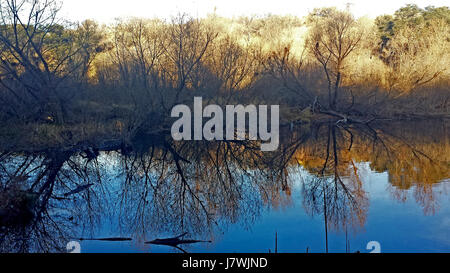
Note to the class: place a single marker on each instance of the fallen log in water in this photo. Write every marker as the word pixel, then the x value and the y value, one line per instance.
pixel 175 241
pixel 345 118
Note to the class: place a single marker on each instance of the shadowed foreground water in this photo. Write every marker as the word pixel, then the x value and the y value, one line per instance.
pixel 327 186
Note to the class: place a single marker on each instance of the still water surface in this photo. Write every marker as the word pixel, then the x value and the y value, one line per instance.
pixel 327 188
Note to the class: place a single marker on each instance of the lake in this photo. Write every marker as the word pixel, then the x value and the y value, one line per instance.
pixel 328 188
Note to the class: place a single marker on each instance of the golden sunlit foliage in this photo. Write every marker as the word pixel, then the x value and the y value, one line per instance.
pixel 328 63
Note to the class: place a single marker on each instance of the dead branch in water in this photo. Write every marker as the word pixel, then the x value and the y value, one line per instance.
pixel 175 241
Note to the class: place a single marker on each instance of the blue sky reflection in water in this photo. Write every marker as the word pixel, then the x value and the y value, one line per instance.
pixel 398 226
pixel 369 183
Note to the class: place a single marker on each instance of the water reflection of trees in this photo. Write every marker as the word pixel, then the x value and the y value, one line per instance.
pixel 200 187
pixel 414 157
pixel 189 188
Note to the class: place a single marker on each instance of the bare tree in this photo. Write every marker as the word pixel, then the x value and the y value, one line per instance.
pixel 38 54
pixel 290 71
pixel 188 42
pixel 333 36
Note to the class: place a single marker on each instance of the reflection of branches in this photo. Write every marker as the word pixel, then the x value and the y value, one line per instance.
pixel 218 182
pixel 408 165
pixel 336 201
pixel 199 187
pixel 24 211
pixel 391 152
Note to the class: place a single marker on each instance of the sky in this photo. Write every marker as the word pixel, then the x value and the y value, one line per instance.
pixel 105 11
